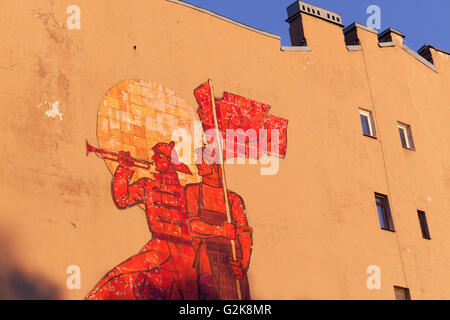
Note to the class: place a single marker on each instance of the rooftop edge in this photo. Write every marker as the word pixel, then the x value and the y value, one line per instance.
pixel 216 15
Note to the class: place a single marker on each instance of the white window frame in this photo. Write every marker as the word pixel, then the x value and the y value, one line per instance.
pixel 408 135
pixel 369 115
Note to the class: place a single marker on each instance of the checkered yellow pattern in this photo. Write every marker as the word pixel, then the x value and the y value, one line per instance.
pixel 135 115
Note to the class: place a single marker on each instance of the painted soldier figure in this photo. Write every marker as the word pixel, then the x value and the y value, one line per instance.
pixel 207 221
pixel 163 269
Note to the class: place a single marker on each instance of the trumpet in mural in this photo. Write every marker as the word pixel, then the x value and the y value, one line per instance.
pixel 106 155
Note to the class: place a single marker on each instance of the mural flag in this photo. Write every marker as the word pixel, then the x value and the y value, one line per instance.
pixel 247 127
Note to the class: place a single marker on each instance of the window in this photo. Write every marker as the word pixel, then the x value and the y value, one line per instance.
pixel 384 212
pixel 367 123
pixel 402 293
pixel 423 224
pixel 406 136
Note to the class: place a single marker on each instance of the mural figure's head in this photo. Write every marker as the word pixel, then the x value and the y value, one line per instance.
pixel 166 158
pixel 207 163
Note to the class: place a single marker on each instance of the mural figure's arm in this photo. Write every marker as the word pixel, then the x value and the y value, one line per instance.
pixel 244 236
pixel 125 194
pixel 199 228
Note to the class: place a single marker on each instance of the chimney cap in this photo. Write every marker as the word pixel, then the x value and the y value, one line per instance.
pixel 356 24
pixel 303 7
pixel 428 46
pixel 388 31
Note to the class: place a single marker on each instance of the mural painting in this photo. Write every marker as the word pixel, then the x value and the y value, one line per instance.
pixel 201 242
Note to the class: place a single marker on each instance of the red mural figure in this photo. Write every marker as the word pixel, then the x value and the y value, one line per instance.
pixel 201 242
pixel 207 220
pixel 163 269
pixel 223 255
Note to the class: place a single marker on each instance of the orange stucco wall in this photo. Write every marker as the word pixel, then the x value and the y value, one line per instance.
pixel 316 227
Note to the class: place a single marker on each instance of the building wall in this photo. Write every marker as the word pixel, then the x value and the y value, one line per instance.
pixel 316 228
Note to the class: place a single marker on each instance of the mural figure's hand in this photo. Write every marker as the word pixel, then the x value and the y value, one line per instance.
pixel 228 231
pixel 237 268
pixel 125 159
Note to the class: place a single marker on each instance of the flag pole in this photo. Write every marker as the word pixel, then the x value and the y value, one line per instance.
pixel 224 181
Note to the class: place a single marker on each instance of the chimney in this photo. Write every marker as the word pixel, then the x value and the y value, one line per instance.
pixel 295 13
pixel 352 35
pixel 391 35
pixel 425 52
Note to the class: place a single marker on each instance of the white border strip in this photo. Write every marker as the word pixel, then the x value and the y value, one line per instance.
pixel 354 48
pixel 295 48
pixel 386 44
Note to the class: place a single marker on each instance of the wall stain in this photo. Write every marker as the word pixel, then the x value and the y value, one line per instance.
pixel 74 187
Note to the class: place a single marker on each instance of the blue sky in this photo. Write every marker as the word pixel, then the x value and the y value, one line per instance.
pixel 421 21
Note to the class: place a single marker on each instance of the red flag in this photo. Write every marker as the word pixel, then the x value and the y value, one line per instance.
pixel 246 125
